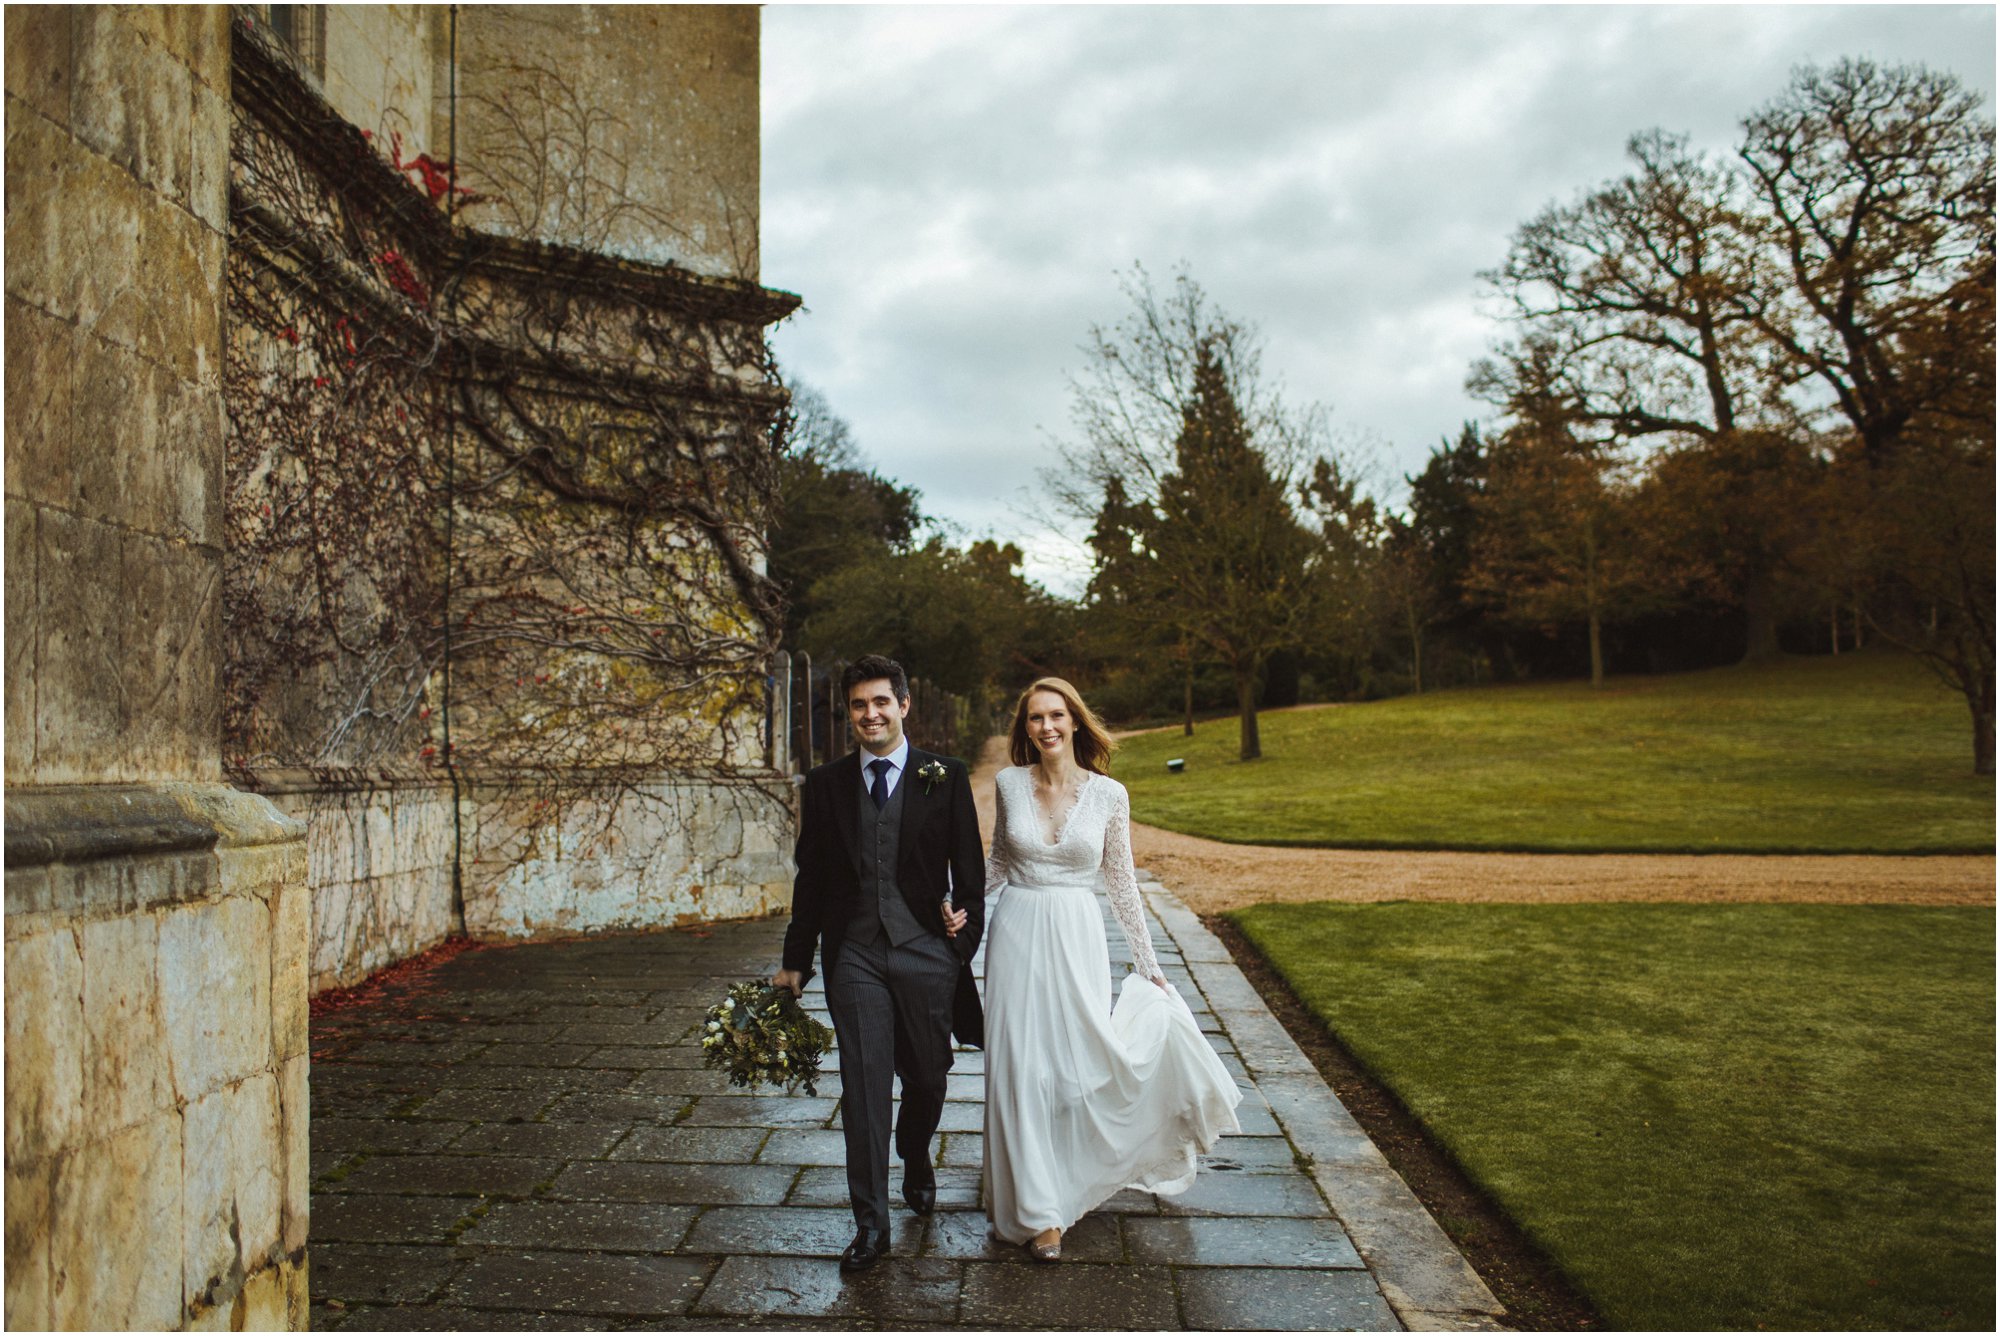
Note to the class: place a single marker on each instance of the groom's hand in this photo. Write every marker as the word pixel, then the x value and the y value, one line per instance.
pixel 954 919
pixel 791 979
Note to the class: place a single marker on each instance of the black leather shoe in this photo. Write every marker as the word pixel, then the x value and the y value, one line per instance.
pixel 869 1247
pixel 920 1189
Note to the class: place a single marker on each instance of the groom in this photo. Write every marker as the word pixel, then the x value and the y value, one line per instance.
pixel 881 846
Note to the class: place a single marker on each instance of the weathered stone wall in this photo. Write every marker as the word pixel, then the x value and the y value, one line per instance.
pixel 381 64
pixel 156 1060
pixel 380 866
pixel 673 854
pixel 569 374
pixel 672 96
pixel 156 920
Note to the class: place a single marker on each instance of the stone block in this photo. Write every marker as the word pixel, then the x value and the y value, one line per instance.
pixel 22 628
pixel 170 658
pixel 215 970
pixel 126 1053
pixel 42 164
pixel 121 1190
pixel 28 1290
pixel 79 724
pixel 133 101
pixel 41 356
pixel 264 1302
pixel 291 952
pixel 38 60
pixel 233 1190
pixel 295 1113
pixel 45 1045
pixel 298 1293
pixel 198 37
pixel 208 192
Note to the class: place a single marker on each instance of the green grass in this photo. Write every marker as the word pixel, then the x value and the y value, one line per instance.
pixel 1712 1117
pixel 1866 753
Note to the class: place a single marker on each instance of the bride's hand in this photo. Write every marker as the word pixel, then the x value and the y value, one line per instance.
pixel 1162 982
pixel 954 919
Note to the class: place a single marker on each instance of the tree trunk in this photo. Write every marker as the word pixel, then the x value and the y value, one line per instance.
pixel 1416 646
pixel 1836 630
pixel 1980 698
pixel 1246 708
pixel 1187 696
pixel 1594 612
pixel 1760 617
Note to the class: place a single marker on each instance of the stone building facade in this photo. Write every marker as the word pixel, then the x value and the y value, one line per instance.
pixel 249 296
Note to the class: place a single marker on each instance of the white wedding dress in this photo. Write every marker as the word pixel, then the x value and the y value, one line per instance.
pixel 1083 1098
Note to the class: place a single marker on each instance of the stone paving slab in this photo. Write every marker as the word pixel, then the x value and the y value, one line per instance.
pixel 528 1139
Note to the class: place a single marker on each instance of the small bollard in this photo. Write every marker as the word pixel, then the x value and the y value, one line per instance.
pixel 1178 764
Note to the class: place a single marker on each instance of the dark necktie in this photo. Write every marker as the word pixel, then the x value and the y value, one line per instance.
pixel 879 790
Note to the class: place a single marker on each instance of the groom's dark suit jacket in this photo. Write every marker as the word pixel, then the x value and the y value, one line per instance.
pixel 939 853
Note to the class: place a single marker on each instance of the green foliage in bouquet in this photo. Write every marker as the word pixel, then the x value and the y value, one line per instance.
pixel 762 1034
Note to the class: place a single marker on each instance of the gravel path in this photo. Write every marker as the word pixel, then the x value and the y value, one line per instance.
pixel 1211 876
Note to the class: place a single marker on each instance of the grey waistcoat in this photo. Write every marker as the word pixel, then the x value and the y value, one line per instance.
pixel 879 834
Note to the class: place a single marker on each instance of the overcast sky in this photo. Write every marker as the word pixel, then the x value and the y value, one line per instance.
pixel 954 191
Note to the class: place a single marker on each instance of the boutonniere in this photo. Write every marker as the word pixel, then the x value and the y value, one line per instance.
pixel 930 773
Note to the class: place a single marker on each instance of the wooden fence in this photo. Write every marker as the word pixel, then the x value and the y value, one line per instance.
pixel 805 720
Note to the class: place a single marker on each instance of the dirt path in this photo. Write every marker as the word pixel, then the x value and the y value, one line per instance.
pixel 1212 876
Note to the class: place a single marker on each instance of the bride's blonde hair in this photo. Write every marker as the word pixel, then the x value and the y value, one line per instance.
pixel 1092 745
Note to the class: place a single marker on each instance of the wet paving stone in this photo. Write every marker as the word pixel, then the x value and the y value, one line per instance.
pixel 611 1226
pixel 826 1185
pixel 899 1289
pixel 760 1111
pixel 379 1274
pixel 1248 1194
pixel 682 1082
pixel 568 1141
pixel 963 1235
pixel 445 1317
pixel 484 1106
pixel 1251 1155
pixel 614 1107
pixel 579 1167
pixel 347 1135
pixel 804 1145
pixel 450 1175
pixel 790 1231
pixel 691 1184
pixel 1263 1299
pixel 582 1283
pixel 372 1219
pixel 1069 1296
pixel 692 1145
pixel 1240 1241
pixel 554 1082
pixel 607 1034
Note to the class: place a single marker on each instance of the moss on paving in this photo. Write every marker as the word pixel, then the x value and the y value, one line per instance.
pixel 1864 753
pixel 1733 1116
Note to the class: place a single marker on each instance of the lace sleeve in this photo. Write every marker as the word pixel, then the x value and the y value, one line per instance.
pixel 1124 886
pixel 996 852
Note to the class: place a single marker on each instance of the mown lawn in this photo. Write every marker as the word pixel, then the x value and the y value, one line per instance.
pixel 1865 753
pixel 1734 1116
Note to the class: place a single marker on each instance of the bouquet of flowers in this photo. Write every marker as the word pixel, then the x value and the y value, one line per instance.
pixel 760 1034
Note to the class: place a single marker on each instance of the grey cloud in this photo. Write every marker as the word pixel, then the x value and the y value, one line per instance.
pixel 953 190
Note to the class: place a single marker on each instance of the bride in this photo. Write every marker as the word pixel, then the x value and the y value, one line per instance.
pixel 1083 1098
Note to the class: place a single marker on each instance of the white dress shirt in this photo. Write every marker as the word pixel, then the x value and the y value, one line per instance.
pixel 897 759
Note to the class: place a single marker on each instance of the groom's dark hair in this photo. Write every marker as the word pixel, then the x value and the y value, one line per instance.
pixel 870 667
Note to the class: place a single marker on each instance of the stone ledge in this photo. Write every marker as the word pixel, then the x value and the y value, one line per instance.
pixel 87 822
